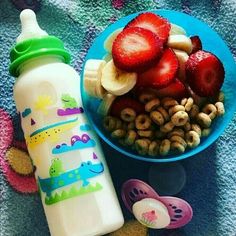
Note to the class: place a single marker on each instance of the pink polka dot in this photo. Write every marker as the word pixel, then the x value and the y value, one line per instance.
pixel 6 130
pixel 23 184
pixel 118 4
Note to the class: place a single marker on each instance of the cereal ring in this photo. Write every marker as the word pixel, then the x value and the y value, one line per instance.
pixel 152 105
pixel 180 118
pixel 147 140
pixel 175 109
pixel 187 126
pixel 153 148
pixel 128 114
pixel 131 126
pixel 189 104
pixel 197 128
pixel 164 147
pixel 220 108
pixel 124 126
pixel 164 113
pixel 157 117
pixel 178 139
pixel 159 134
pixel 221 97
pixel 210 110
pixel 122 142
pixel 177 147
pixel 147 96
pixel 176 131
pixel 109 123
pixel 143 122
pixel 194 111
pixel 204 120
pixel 119 133
pixel 167 127
pixel 145 133
pixel 192 138
pixel 141 146
pixel 119 123
pixel 206 132
pixel 130 138
pixel 183 101
pixel 168 102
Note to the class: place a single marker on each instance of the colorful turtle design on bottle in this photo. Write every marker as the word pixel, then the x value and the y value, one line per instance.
pixel 59 179
pixel 70 106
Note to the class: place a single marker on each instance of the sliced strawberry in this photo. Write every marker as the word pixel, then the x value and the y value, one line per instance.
pixel 148 20
pixel 135 49
pixel 121 103
pixel 162 73
pixel 205 73
pixel 200 101
pixel 176 90
pixel 196 44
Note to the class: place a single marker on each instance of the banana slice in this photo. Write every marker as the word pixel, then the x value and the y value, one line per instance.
pixel 92 78
pixel 115 81
pixel 110 39
pixel 107 57
pixel 182 58
pixel 176 29
pixel 106 103
pixel 180 42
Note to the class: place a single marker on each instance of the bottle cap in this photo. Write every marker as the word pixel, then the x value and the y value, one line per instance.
pixel 34 42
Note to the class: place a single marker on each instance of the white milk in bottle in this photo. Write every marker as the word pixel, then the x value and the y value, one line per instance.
pixel 74 181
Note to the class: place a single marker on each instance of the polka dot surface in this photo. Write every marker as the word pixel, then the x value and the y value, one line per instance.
pixel 23 184
pixel 131 228
pixel 19 161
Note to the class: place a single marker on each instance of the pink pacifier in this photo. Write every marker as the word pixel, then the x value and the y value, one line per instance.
pixel 152 210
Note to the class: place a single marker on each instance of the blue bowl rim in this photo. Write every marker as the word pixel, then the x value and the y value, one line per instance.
pixel 187 154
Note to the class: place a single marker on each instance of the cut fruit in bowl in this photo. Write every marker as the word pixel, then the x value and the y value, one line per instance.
pixel 160 91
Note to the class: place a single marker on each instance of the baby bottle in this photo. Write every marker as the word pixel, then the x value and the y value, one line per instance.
pixel 76 189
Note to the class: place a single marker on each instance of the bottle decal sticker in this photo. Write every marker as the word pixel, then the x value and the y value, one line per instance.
pixel 85 127
pixel 56 168
pixel 42 103
pixel 32 122
pixel 149 218
pixel 94 156
pixel 26 112
pixel 70 106
pixel 77 142
pixel 60 178
pixel 50 132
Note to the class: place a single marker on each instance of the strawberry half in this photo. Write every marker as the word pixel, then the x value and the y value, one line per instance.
pixel 205 73
pixel 161 74
pixel 196 44
pixel 135 49
pixel 121 103
pixel 148 20
pixel 176 90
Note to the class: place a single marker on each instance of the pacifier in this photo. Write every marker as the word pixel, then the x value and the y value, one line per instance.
pixel 152 210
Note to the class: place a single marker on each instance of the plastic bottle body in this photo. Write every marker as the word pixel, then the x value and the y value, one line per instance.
pixel 75 185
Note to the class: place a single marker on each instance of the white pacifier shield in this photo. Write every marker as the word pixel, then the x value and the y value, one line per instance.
pixel 151 213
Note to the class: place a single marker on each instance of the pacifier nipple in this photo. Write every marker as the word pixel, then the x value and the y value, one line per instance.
pixel 29 26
